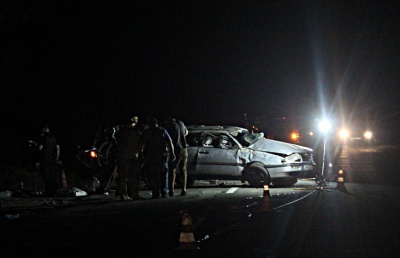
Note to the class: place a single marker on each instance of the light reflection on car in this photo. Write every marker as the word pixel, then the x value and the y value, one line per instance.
pixel 218 152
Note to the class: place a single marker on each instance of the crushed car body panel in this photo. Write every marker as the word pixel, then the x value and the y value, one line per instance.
pixel 273 146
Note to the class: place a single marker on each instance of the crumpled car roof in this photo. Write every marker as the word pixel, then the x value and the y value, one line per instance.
pixel 230 129
pixel 256 141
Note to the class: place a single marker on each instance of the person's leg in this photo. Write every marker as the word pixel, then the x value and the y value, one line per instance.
pixel 183 169
pixel 44 171
pixel 164 176
pixel 153 175
pixel 53 177
pixel 123 167
pixel 155 185
pixel 172 165
pixel 133 179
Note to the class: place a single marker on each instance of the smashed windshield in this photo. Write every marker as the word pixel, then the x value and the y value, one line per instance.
pixel 247 139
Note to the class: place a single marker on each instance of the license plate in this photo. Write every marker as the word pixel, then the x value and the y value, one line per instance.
pixel 308 167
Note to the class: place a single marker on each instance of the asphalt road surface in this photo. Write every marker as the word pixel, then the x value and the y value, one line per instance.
pixel 229 219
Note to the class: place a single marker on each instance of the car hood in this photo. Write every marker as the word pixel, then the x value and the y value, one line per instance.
pixel 268 145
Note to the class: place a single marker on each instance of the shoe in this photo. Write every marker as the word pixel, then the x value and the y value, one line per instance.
pixel 183 193
pixel 171 194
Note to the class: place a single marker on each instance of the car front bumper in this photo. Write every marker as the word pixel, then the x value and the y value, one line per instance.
pixel 290 170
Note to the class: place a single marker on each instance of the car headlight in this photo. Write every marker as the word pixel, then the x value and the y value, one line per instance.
pixel 344 134
pixel 368 135
pixel 295 157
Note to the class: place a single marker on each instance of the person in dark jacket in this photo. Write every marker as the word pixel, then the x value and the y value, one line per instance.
pixel 178 131
pixel 49 153
pixel 157 148
pixel 128 161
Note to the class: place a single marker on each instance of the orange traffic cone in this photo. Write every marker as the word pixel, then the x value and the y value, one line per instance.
pixel 340 181
pixel 266 205
pixel 186 238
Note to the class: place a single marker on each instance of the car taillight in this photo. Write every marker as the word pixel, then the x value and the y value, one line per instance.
pixel 93 154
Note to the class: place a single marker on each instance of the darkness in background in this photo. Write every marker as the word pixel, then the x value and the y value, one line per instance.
pixel 78 64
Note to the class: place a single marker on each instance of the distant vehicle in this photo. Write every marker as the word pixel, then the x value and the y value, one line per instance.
pixel 228 152
pixel 352 135
pixel 361 136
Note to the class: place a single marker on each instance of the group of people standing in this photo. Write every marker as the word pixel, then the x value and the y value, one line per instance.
pixel 157 150
pixel 150 149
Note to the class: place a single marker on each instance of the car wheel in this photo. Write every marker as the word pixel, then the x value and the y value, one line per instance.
pixel 256 175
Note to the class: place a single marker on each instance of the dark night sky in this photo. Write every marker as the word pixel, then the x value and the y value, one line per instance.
pixel 78 63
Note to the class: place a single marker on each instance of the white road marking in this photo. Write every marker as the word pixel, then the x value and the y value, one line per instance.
pixel 232 190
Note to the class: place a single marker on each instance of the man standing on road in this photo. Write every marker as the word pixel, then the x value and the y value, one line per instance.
pixel 128 140
pixel 49 156
pixel 157 149
pixel 178 131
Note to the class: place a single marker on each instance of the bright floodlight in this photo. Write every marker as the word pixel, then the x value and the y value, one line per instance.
pixel 324 126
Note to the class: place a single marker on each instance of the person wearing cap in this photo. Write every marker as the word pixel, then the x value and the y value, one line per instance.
pixel 49 153
pixel 128 161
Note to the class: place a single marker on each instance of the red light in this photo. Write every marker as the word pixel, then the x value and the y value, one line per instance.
pixel 93 154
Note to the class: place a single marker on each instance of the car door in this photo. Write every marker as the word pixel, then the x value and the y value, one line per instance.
pixel 193 141
pixel 215 161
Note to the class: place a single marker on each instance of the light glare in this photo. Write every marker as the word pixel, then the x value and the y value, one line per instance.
pixel 368 135
pixel 93 154
pixel 344 134
pixel 324 126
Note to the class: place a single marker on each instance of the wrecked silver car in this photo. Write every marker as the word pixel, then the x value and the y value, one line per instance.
pixel 219 152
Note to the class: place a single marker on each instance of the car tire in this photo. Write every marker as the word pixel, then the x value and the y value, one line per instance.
pixel 257 175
